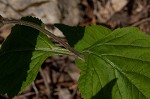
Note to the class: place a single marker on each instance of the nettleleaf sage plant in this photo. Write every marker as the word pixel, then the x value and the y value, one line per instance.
pixel 113 64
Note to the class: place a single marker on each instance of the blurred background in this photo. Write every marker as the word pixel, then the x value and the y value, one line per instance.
pixel 57 79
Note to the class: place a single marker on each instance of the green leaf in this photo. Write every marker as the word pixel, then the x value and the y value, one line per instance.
pixel 21 55
pixel 83 37
pixel 72 33
pixel 117 66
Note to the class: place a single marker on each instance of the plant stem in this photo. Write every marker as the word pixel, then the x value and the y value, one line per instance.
pixel 33 25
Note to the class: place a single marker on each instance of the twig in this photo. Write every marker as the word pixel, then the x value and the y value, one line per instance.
pixel 60 73
pixel 26 95
pixel 36 90
pixel 74 91
pixel 30 24
pixel 45 82
pixel 140 22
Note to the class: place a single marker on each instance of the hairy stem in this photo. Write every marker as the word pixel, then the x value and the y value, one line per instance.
pixel 30 24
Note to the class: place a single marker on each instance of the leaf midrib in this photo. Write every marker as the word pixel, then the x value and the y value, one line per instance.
pixel 29 50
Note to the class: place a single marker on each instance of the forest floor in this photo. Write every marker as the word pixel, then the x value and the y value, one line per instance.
pixel 58 76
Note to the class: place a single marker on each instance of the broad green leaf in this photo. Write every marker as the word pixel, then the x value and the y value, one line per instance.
pixel 83 37
pixel 117 66
pixel 21 56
